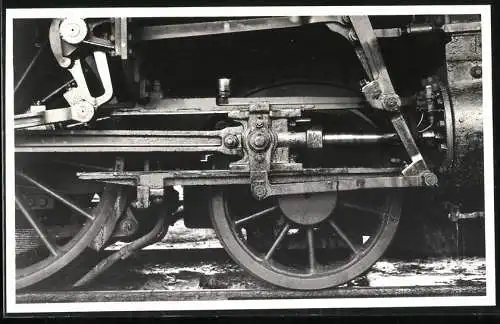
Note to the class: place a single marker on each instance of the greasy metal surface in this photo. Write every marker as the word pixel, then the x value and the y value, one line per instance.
pixel 463 53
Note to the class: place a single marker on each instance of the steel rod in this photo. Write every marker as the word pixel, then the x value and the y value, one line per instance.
pixel 343 236
pixel 197 29
pixel 358 138
pixel 261 213
pixel 37 227
pixel 361 208
pixel 30 66
pixel 310 244
pixel 278 240
pixel 56 91
pixel 154 235
pixel 56 196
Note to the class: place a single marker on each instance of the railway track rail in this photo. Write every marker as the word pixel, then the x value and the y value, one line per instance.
pixel 239 294
pixel 209 274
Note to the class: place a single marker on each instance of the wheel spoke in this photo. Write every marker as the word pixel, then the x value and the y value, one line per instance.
pixel 56 196
pixel 361 208
pixel 278 240
pixel 343 236
pixel 310 244
pixel 37 227
pixel 256 215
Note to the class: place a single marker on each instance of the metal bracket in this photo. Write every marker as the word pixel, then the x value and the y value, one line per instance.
pixel 81 92
pixel 81 112
pixel 380 93
pixel 82 103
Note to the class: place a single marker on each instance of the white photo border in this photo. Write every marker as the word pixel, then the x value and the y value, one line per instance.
pixel 10 292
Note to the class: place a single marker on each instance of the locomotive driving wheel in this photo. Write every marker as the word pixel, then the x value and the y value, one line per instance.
pixel 59 235
pixel 319 240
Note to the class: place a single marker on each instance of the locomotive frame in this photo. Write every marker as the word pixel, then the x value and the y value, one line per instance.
pixel 260 141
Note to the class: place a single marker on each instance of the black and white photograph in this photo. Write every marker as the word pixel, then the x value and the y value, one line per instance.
pixel 245 158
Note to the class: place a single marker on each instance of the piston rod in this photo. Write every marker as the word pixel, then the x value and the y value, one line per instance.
pixel 316 139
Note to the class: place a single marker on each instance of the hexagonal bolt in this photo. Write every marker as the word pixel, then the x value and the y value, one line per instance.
pixel 259 140
pixel 231 141
pixel 430 179
pixel 259 191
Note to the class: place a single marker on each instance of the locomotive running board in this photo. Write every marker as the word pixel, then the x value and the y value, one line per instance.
pixel 286 182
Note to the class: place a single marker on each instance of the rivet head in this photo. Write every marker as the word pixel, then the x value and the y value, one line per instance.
pixel 259 157
pixel 476 72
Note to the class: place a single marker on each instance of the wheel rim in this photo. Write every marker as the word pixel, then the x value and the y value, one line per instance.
pixel 263 264
pixel 61 255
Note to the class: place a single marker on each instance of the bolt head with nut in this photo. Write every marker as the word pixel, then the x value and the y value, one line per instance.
pixel 430 179
pixel 231 141
pixel 391 102
pixel 259 191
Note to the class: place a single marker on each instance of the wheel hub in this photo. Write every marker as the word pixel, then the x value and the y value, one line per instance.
pixel 308 209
